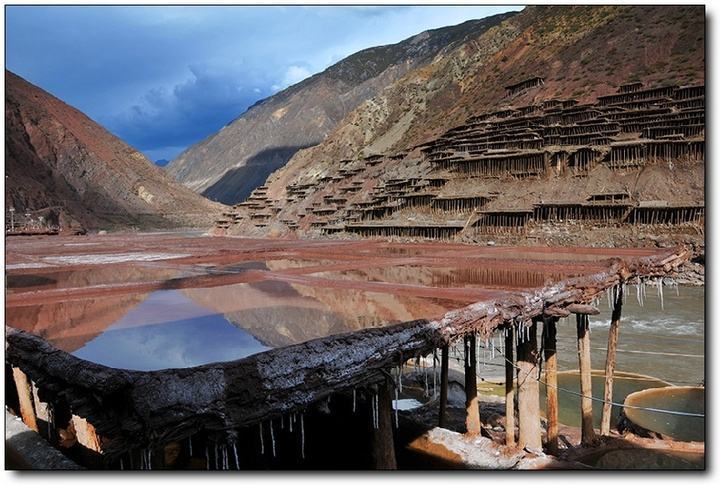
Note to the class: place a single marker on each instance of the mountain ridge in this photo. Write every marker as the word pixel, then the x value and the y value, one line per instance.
pixel 61 163
pixel 453 149
pixel 555 42
pixel 303 114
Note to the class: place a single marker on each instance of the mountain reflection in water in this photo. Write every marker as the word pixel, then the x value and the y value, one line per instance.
pixel 168 330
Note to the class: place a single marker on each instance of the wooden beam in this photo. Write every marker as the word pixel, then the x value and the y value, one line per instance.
pixel 528 392
pixel 610 362
pixel 550 346
pixel 383 445
pixel 555 311
pixel 444 368
pixel 509 387
pixel 581 309
pixel 172 404
pixel 583 339
pixel 25 396
pixel 472 406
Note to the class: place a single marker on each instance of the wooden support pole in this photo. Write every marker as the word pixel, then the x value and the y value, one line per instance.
pixel 472 406
pixel 25 397
pixel 550 346
pixel 86 434
pixel 509 387
pixel 610 362
pixel 43 415
pixel 444 368
pixel 383 445
pixel 583 339
pixel 528 391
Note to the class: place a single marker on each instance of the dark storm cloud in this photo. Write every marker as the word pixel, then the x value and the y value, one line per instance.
pixel 163 78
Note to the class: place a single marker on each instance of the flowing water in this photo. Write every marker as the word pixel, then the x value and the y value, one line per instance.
pixel 666 344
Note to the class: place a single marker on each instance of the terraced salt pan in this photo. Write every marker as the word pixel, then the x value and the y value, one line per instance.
pixel 112 258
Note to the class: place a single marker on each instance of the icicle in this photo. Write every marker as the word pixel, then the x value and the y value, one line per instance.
pixel 376 412
pixel 272 438
pixel 207 456
pixel 354 405
pixel 190 445
pixel 660 293
pixel 434 373
pixel 235 453
pixel 427 389
pixel 302 436
pixel 624 292
pixel 262 442
pixel 644 292
pixel 282 422
pixel 637 293
pixel 122 467
pixel 677 289
pixel 51 420
pixel 397 404
pixel 149 459
pixel 292 416
pixel 400 377
pixel 607 297
pixel 373 412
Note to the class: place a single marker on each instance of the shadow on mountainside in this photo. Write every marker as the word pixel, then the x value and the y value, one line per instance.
pixel 237 183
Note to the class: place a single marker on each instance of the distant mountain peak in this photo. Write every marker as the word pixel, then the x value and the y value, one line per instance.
pixel 229 164
pixel 63 165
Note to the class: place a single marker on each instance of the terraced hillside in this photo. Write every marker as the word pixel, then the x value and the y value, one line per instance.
pixel 629 162
pixel 542 130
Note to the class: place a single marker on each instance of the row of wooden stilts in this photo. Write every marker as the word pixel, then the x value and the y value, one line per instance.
pixel 525 372
pixel 529 423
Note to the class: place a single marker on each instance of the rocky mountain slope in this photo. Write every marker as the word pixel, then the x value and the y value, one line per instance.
pixel 581 52
pixel 448 145
pixel 228 165
pixel 62 165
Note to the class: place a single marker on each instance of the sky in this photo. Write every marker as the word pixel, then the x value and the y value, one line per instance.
pixel 164 78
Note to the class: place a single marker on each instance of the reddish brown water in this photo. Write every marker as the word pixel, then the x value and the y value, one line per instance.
pixel 162 301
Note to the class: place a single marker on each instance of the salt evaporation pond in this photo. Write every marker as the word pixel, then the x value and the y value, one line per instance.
pixel 685 399
pixel 277 293
pixel 195 326
pixel 569 404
